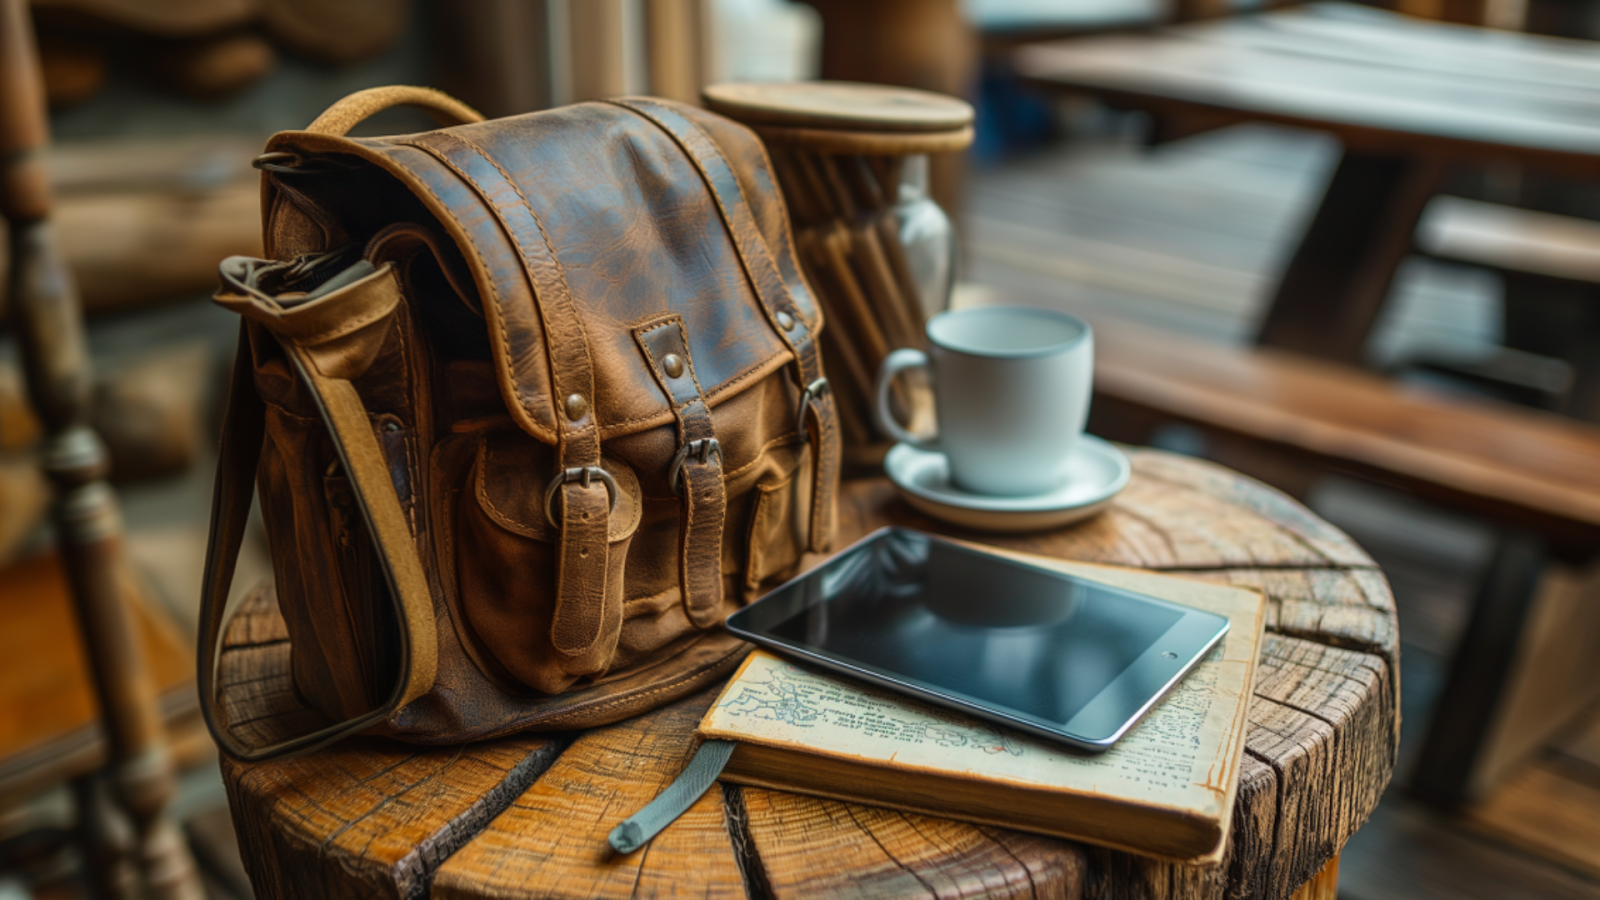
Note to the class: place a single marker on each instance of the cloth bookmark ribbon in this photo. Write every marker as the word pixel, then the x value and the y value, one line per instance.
pixel 673 802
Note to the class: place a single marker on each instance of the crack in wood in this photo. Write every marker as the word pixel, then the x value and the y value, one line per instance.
pixel 413 873
pixel 757 885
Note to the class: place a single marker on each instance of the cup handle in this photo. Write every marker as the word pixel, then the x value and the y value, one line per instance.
pixel 893 364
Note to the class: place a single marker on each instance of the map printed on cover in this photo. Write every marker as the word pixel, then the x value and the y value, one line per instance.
pixel 1183 755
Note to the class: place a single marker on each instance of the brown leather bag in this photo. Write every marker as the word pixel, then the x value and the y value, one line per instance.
pixel 531 406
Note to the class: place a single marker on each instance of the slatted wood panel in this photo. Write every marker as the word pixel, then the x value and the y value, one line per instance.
pixel 524 817
pixel 1382 82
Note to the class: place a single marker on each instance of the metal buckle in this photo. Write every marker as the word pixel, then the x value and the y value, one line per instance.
pixel 583 474
pixel 704 448
pixel 813 390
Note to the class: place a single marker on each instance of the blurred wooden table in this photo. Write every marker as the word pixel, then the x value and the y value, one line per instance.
pixel 1403 96
pixel 527 816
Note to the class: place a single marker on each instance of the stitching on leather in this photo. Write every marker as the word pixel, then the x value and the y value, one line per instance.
pixel 719 391
pixel 650 355
pixel 565 289
pixel 494 290
pixel 760 240
pixel 722 210
pixel 351 326
pixel 703 672
pixel 805 349
pixel 783 228
pixel 688 358
pixel 683 335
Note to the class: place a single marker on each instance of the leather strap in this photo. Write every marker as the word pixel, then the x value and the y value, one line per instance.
pixel 696 472
pixel 348 112
pixel 327 346
pixel 818 414
pixel 587 623
pixel 695 779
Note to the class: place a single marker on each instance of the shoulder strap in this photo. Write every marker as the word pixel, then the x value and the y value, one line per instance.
pixel 326 346
pixel 816 414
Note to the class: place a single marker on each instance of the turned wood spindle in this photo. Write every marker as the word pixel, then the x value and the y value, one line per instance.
pixel 48 325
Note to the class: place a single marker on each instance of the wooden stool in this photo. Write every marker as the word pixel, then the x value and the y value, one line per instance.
pixel 838 149
pixel 528 816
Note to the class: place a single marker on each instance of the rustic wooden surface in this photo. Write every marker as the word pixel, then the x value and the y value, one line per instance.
pixel 1401 95
pixel 1385 84
pixel 527 816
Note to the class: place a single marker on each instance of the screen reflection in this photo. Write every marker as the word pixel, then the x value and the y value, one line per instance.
pixel 961 620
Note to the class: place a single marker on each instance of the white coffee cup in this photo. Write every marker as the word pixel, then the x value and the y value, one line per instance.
pixel 1011 390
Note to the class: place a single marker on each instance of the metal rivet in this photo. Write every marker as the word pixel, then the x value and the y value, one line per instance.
pixel 577 407
pixel 785 321
pixel 672 364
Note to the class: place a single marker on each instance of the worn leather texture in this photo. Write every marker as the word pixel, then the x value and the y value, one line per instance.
pixel 583 376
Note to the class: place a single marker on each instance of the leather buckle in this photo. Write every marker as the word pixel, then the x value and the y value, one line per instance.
pixel 583 474
pixel 704 449
pixel 813 390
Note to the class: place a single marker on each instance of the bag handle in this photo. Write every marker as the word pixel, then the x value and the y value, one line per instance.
pixel 319 348
pixel 350 111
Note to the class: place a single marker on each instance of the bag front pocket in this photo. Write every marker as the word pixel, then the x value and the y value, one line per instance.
pixel 506 557
pixel 780 518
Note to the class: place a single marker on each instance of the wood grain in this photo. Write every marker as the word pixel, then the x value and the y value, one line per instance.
pixel 809 846
pixel 1318 754
pixel 554 835
pixel 366 818
pixel 1520 466
pixel 1382 83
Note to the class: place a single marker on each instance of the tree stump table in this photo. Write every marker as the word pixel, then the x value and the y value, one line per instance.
pixel 528 816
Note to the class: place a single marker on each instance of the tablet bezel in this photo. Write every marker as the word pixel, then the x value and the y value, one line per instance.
pixel 1095 727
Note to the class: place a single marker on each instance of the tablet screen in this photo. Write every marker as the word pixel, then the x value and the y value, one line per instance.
pixel 1008 634
pixel 1045 651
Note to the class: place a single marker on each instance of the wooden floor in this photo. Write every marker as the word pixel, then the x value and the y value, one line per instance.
pixel 1190 237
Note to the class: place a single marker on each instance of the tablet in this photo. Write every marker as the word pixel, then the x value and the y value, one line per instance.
pixel 1058 656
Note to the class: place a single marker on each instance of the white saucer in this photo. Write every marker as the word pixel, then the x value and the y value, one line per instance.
pixel 1096 472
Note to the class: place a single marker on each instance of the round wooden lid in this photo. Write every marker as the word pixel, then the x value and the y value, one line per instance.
pixel 840 105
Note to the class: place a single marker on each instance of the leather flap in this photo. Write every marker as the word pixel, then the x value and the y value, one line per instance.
pixel 627 223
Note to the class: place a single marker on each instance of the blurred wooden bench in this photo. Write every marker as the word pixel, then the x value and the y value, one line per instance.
pixel 1550 267
pixel 1536 476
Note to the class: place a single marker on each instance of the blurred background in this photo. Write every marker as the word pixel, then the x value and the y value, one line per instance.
pixel 1352 251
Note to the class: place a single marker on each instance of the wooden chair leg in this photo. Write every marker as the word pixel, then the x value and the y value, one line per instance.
pixel 48 325
pixel 1479 672
pixel 107 839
